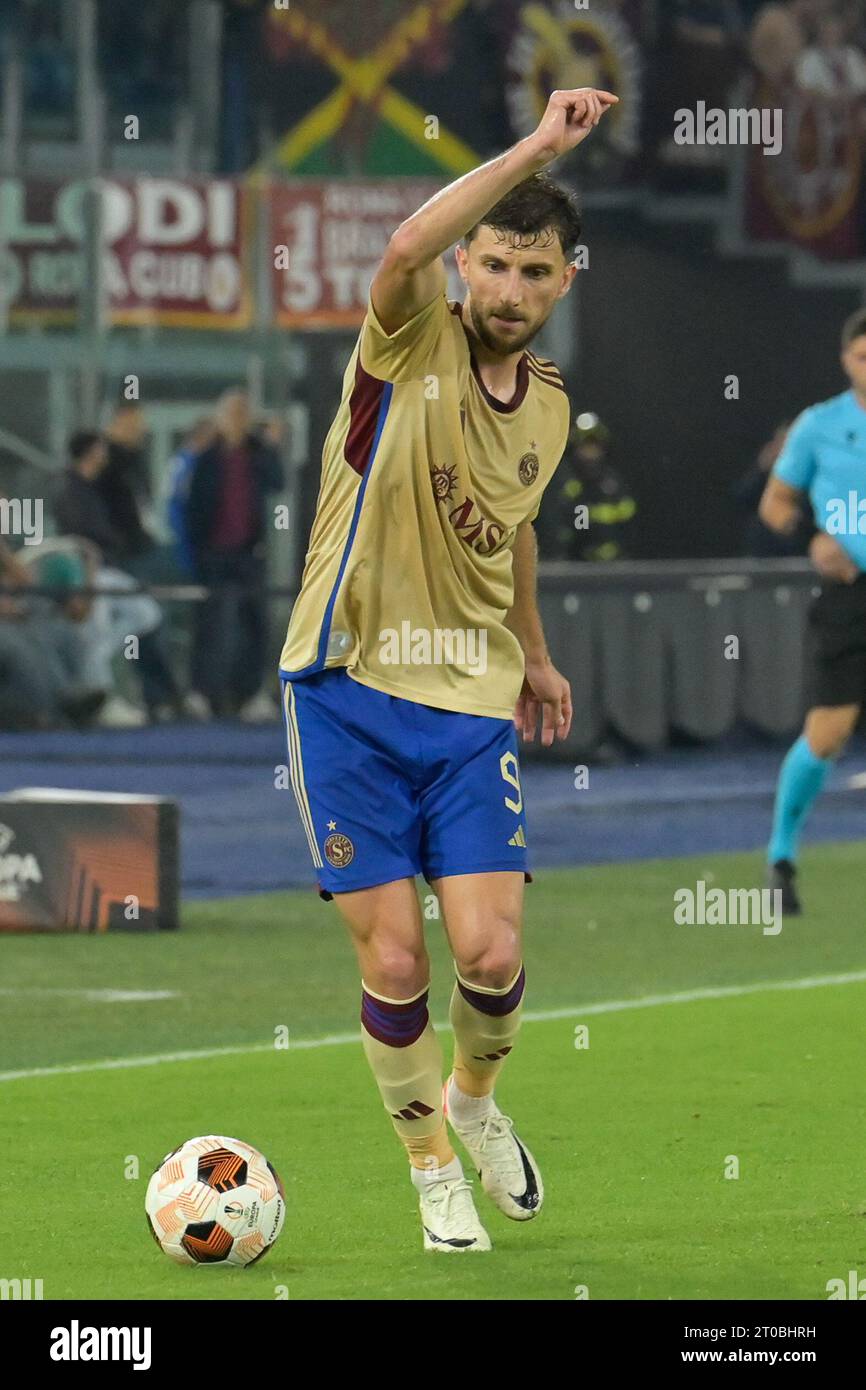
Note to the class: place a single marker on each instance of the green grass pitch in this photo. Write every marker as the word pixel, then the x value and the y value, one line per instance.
pixel 633 1133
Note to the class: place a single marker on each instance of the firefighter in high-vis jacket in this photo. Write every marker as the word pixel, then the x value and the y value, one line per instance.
pixel 588 509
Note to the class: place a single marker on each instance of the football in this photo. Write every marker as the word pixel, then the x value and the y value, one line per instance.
pixel 215 1201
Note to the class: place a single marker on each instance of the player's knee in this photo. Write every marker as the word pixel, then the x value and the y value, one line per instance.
pixel 400 971
pixel 495 965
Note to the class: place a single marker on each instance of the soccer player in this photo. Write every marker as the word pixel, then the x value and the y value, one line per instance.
pixel 824 457
pixel 415 649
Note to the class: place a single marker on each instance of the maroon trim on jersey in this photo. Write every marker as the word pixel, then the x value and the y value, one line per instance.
pixel 502 407
pixel 549 380
pixel 505 408
pixel 544 367
pixel 364 403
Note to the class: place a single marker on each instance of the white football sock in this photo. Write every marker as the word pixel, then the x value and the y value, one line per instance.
pixel 467 1110
pixel 446 1172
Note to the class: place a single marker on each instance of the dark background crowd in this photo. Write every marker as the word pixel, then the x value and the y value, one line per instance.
pixel 692 49
pixel 64 651
pixel 107 622
pixel 83 640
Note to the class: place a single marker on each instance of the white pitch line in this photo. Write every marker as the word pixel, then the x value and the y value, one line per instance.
pixel 610 1006
pixel 97 996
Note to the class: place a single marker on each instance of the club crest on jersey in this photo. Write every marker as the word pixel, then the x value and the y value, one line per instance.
pixel 527 469
pixel 339 851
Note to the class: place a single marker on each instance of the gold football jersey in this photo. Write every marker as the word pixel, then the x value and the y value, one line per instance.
pixel 425 478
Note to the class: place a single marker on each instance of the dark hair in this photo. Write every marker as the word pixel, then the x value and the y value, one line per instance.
pixel 855 327
pixel 82 442
pixel 531 208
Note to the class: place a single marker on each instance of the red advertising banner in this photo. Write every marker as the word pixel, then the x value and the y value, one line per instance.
pixel 328 238
pixel 810 193
pixel 175 251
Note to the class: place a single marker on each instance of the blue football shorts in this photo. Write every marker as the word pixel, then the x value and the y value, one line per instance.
pixel 388 788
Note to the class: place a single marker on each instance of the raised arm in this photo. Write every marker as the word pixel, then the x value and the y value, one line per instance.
pixel 412 273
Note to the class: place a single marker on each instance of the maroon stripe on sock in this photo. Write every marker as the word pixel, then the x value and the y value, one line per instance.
pixel 495 1004
pixel 396 1025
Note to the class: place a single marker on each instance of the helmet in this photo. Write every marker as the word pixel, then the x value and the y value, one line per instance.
pixel 588 428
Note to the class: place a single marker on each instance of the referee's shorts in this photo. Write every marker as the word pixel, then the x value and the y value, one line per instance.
pixel 837 623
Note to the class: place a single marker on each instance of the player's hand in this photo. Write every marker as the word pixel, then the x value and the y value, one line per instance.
pixel 831 560
pixel 545 690
pixel 569 118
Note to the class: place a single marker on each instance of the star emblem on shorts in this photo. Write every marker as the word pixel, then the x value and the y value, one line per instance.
pixel 332 825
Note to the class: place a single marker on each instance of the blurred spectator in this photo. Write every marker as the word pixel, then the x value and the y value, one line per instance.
pixel 81 510
pixel 123 482
pixel 42 679
pixel 588 509
pixel 227 526
pixel 832 66
pixel 776 41
pixel 758 540
pixel 200 437
pixel 780 33
pixel 125 486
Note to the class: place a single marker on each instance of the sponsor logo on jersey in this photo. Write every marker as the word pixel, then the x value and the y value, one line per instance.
pixel 444 481
pixel 477 531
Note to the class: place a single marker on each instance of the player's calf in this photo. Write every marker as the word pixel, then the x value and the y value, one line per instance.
pixel 801 780
pixel 406 1060
pixel 486 1023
